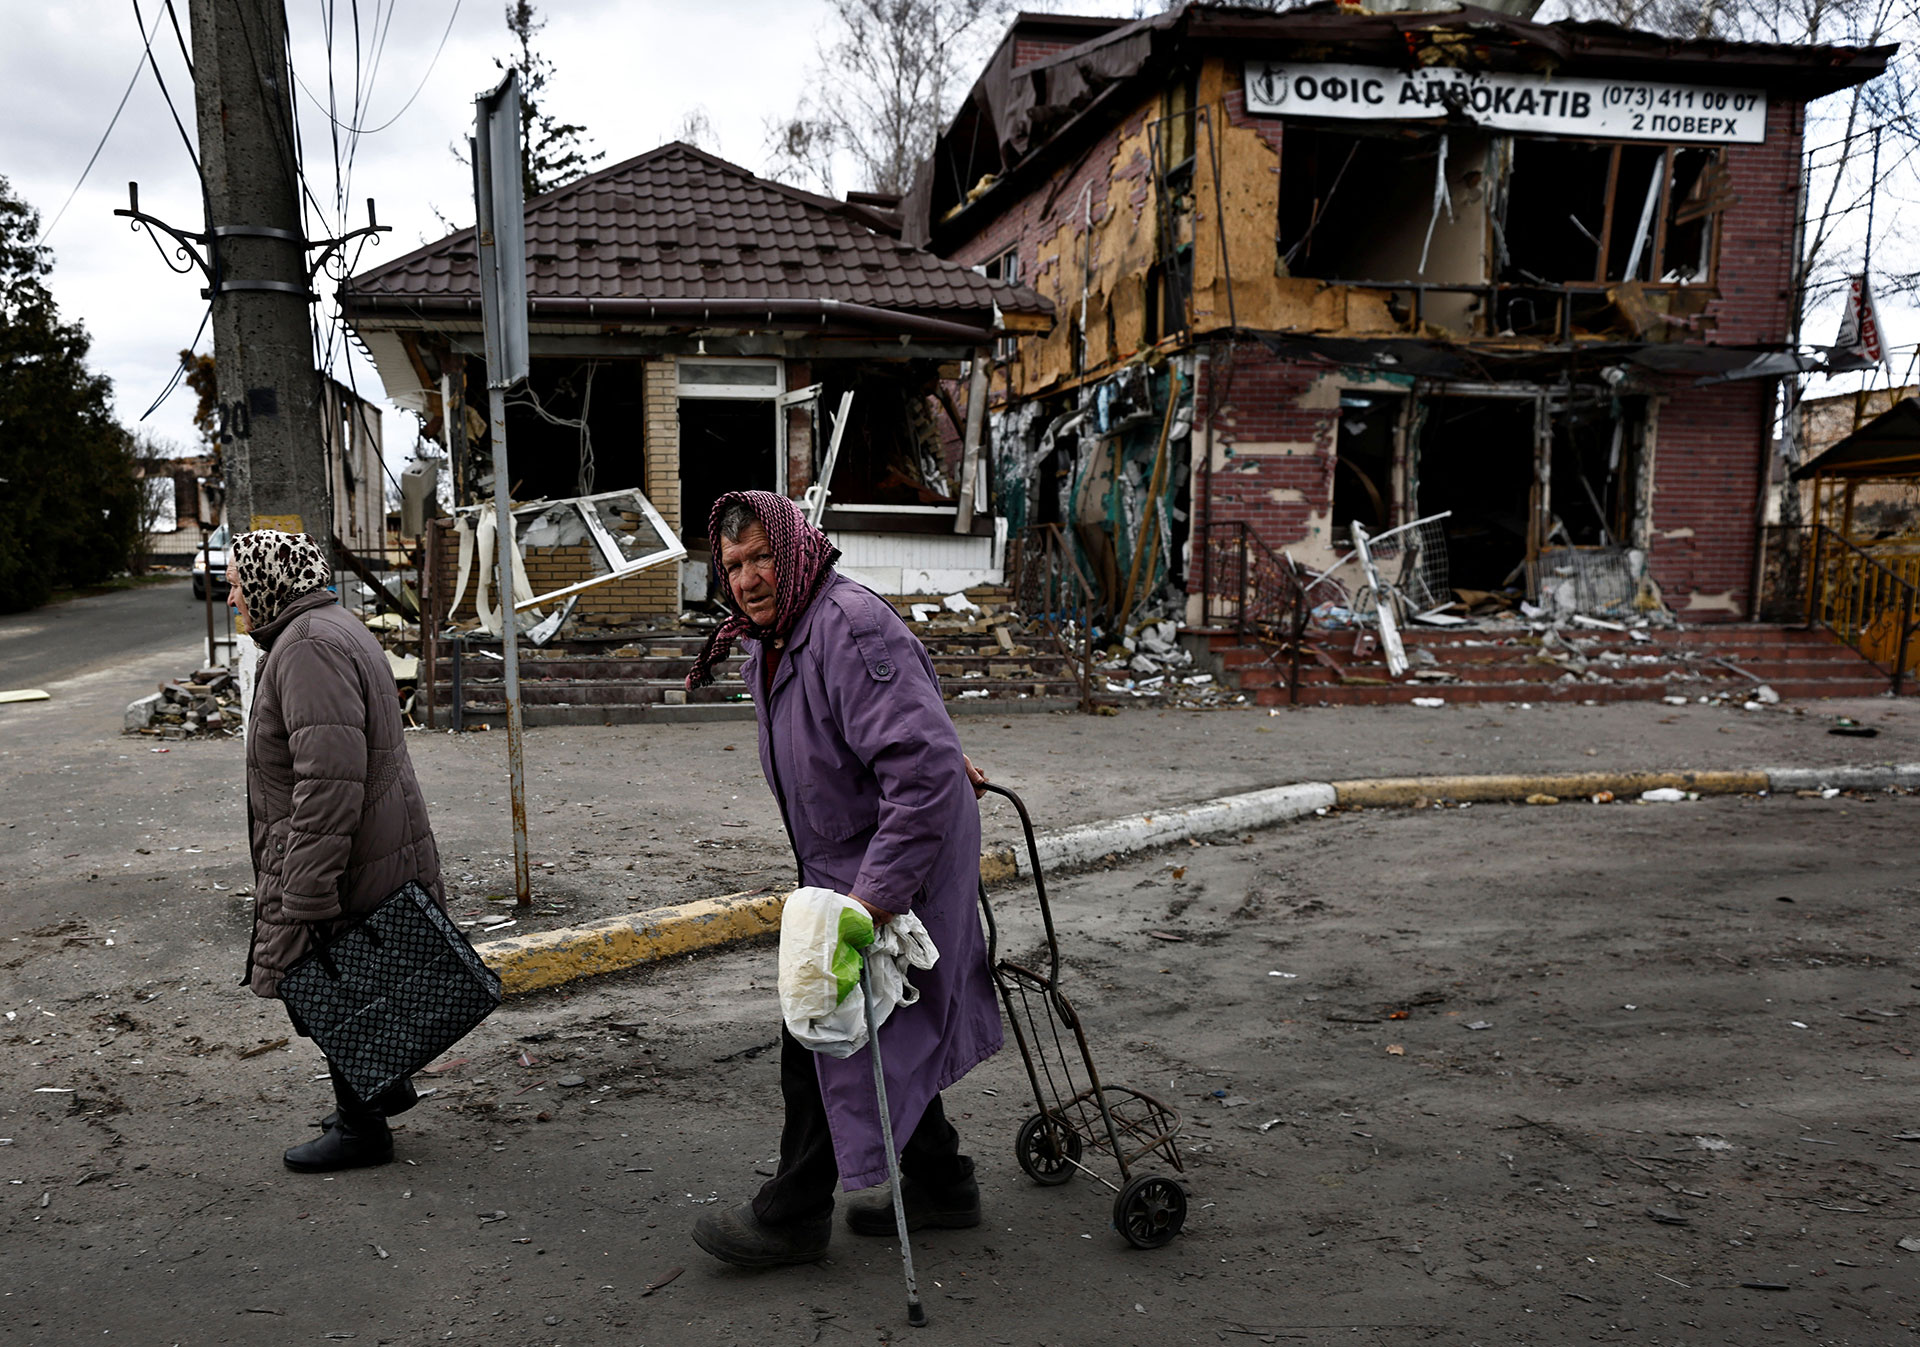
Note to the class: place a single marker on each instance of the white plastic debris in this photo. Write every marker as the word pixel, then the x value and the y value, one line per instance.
pixel 1766 695
pixel 1674 701
pixel 960 603
pixel 923 612
pixel 1429 702
pixel 974 692
pixel 1663 795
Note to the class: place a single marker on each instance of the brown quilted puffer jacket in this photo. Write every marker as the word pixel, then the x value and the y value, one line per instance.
pixel 337 819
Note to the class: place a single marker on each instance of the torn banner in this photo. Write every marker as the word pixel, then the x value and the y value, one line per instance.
pixel 1859 343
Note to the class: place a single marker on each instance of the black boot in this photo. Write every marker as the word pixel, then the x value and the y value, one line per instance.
pixel 391 1102
pixel 359 1137
pixel 954 1207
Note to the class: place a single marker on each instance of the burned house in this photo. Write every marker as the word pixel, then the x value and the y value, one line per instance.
pixel 697 329
pixel 1327 268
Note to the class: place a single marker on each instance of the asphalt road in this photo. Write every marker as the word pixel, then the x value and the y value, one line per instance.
pixel 63 640
pixel 1495 1076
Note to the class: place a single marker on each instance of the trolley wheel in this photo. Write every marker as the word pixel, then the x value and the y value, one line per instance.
pixel 1150 1211
pixel 1047 1149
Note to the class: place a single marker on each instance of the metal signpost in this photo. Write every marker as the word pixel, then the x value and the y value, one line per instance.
pixel 501 228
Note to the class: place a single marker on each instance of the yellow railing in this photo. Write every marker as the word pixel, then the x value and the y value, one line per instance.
pixel 1868 598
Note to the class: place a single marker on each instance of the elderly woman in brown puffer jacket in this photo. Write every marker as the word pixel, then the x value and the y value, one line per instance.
pixel 335 817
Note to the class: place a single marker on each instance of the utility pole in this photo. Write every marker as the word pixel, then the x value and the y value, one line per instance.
pixel 269 395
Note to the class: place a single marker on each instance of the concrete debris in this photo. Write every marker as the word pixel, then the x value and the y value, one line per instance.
pixel 206 705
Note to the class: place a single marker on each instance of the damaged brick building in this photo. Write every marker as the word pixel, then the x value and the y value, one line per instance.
pixel 1328 267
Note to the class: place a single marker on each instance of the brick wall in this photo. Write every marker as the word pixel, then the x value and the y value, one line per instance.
pixel 1027 50
pixel 1706 465
pixel 1272 457
pixel 1755 270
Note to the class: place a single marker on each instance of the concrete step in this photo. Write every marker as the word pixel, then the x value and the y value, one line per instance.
pixel 1494 667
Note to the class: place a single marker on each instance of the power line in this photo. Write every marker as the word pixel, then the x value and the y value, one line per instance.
pixel 418 89
pixel 112 122
pixel 180 371
pixel 147 42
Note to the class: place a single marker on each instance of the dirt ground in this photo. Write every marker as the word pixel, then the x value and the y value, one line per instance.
pixel 1496 1075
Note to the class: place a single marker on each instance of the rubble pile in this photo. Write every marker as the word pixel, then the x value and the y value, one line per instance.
pixel 1152 664
pixel 988 649
pixel 207 705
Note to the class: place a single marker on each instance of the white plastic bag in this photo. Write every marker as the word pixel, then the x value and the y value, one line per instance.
pixel 822 935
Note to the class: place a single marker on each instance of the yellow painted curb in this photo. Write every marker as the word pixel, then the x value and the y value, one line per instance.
pixel 1405 790
pixel 529 963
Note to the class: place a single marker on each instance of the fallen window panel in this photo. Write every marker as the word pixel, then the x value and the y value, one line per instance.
pixel 615 534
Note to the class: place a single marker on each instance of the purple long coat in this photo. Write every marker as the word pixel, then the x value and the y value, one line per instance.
pixel 865 764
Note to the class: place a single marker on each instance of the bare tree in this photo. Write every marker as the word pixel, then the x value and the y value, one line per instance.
pixel 552 152
pixel 885 87
pixel 696 129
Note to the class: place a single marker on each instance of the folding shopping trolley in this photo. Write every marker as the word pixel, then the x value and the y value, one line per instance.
pixel 1078 1113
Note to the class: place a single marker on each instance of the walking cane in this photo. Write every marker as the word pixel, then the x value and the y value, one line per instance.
pixel 916 1315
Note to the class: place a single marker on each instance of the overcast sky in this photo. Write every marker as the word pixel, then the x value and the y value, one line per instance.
pixel 629 70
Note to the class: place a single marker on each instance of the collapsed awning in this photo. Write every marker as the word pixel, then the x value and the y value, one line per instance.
pixel 1887 446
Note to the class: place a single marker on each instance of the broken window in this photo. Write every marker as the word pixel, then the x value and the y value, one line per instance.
pixel 1384 206
pixel 1170 277
pixel 1594 473
pixel 1580 211
pixel 1006 269
pixel 1363 464
pixel 573 428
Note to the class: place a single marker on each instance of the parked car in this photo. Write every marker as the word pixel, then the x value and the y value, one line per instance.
pixel 210 567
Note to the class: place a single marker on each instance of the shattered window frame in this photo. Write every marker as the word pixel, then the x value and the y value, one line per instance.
pixel 590 510
pixel 1619 226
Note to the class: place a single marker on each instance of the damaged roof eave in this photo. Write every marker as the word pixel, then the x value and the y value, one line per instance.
pixel 803 316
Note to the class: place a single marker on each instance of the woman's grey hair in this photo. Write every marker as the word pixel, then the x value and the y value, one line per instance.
pixel 735 519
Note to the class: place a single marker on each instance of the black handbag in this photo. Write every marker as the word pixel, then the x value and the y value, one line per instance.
pixel 391 992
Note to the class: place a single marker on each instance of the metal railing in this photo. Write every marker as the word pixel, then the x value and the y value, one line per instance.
pixel 1050 588
pixel 1255 593
pixel 1870 602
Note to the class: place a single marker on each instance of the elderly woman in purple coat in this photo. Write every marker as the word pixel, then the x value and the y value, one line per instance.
pixel 867 770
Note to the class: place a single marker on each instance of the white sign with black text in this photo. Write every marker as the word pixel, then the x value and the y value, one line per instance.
pixel 1614 109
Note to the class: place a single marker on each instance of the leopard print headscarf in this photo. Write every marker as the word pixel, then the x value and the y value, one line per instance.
pixel 275 569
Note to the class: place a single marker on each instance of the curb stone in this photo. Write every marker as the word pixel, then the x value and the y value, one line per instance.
pixel 547 959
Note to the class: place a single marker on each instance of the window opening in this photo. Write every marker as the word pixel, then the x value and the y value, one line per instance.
pixel 1385 206
pixel 1006 269
pixel 726 444
pixel 1476 459
pixel 1363 463
pixel 1578 212
pixel 575 423
pixel 1595 472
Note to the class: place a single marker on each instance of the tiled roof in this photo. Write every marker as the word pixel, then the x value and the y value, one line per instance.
pixel 678 223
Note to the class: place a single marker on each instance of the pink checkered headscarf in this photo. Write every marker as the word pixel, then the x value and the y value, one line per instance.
pixel 802 563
